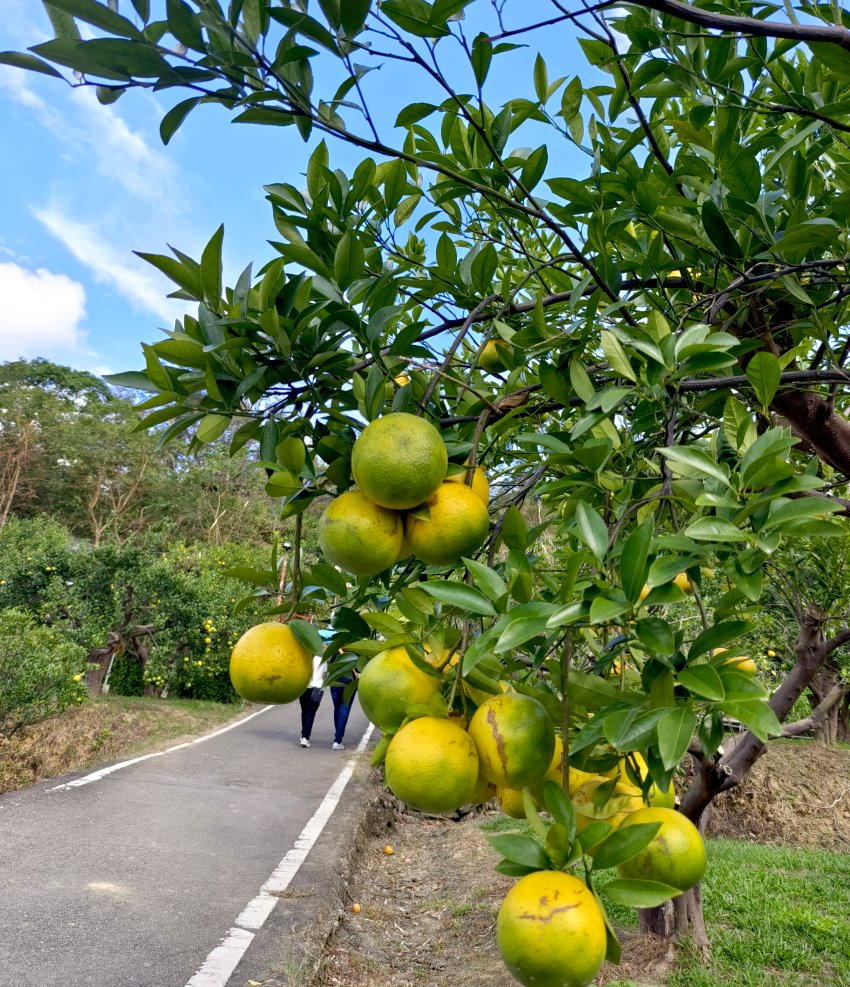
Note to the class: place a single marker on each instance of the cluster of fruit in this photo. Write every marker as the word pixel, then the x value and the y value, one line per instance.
pixel 404 503
pixel 550 928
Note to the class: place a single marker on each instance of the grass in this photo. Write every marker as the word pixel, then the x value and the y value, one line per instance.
pixel 776 916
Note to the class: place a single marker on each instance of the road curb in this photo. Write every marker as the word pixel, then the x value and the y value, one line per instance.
pixel 288 949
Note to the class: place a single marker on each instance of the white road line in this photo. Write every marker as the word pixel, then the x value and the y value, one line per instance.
pixel 223 960
pixel 103 772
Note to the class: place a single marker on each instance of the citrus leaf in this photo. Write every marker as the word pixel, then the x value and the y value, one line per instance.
pixel 623 844
pixel 461 596
pixel 675 729
pixel 639 894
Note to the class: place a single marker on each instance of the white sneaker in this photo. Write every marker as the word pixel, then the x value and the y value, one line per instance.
pixel 305 742
pixel 338 747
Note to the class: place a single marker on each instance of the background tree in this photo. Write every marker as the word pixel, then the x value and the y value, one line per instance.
pixel 675 321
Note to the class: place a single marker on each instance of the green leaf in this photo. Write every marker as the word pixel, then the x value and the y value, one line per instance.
pixel 656 635
pixel 804 507
pixel 487 580
pixel 541 79
pixel 22 60
pixel 675 729
pixel 616 356
pixel 520 850
pixel 172 120
pixel 514 531
pixel 519 631
pixel 353 14
pixel 714 529
pixel 461 596
pixel 302 24
pixel 702 680
pixel 413 16
pixel 633 560
pixel 756 715
pixel 349 259
pixel 560 807
pixel 185 25
pixel 414 113
pixel 623 844
pixel 98 15
pixel 741 173
pixel 211 269
pixel 308 635
pixel 639 894
pixel 717 230
pixel 481 57
pixel 592 530
pixel 591 692
pixel 716 636
pixel 694 462
pixel 257 577
pixel 763 372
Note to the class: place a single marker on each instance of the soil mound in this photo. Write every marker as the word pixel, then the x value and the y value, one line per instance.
pixel 797 794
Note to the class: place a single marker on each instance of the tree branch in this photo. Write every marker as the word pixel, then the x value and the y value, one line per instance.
pixel 747 25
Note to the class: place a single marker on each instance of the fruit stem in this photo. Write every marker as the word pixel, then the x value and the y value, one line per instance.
pixel 566 660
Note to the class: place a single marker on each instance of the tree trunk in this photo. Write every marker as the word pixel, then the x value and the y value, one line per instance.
pixel 826 730
pixel 724 771
pixel 844 719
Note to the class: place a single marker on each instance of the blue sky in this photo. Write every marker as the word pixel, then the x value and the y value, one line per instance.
pixel 83 185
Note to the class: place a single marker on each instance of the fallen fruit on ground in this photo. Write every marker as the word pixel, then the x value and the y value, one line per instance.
pixel 360 536
pixel 388 850
pixel 479 485
pixel 676 854
pixel 515 739
pixel 269 664
pixel 390 685
pixel 455 523
pixel 399 460
pixel 355 908
pixel 432 765
pixel 550 931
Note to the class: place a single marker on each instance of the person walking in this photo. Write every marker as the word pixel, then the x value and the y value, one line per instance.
pixel 311 698
pixel 342 694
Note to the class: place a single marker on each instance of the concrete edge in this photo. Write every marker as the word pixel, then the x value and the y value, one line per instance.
pixel 288 949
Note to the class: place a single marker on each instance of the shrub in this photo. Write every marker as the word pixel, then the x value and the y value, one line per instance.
pixel 38 670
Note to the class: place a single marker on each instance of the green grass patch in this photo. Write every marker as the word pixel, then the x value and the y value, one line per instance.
pixel 776 916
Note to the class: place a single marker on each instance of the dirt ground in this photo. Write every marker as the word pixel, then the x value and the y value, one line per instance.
pixel 428 910
pixel 798 794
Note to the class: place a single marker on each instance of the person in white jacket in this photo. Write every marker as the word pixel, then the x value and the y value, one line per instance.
pixel 310 699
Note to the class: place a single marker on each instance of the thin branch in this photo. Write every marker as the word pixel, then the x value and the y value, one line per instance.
pixel 747 26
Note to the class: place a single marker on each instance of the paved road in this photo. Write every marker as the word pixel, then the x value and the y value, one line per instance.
pixel 134 879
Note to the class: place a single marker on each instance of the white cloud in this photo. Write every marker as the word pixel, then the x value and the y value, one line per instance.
pixel 90 132
pixel 131 276
pixel 43 313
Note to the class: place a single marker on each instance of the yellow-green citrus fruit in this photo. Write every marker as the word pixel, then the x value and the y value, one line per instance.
pixel 268 664
pixel 479 486
pixel 490 357
pixel 510 802
pixel 683 582
pixel 484 790
pixel 390 685
pixel 432 765
pixel 550 931
pixel 742 664
pixel 456 525
pixel 623 800
pixel 515 739
pixel 676 854
pixel 360 536
pixel 656 796
pixel 399 460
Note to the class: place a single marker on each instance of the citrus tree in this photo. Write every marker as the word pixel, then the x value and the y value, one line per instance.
pixel 622 291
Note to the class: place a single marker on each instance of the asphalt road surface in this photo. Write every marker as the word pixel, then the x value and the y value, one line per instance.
pixel 134 879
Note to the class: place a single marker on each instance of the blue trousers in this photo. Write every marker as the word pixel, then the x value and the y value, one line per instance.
pixel 309 708
pixel 341 711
